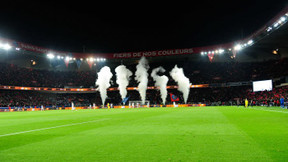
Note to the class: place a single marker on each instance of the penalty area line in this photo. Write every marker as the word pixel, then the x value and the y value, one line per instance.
pixel 59 126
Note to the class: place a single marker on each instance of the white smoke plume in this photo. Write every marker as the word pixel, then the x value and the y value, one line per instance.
pixel 141 76
pixel 183 82
pixel 160 81
pixel 123 75
pixel 103 82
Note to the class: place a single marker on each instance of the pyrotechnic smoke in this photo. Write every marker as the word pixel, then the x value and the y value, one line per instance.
pixel 103 82
pixel 160 81
pixel 183 82
pixel 123 75
pixel 141 76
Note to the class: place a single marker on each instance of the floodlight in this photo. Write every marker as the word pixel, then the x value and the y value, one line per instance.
pixel 220 51
pixel 67 58
pixel 50 55
pixel 250 42
pixel 238 47
pixel 269 29
pixel 5 46
pixel 282 19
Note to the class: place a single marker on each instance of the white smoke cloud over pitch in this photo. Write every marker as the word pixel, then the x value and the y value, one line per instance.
pixel 160 81
pixel 103 82
pixel 141 76
pixel 183 82
pixel 123 75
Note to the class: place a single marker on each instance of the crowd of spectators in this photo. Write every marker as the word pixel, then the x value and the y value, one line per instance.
pixel 208 96
pixel 18 76
pixel 33 98
pixel 198 73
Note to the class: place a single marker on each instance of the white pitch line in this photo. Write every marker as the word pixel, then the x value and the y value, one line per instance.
pixel 270 110
pixel 40 129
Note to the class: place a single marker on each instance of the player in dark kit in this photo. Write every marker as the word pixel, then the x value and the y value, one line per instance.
pixel 282 102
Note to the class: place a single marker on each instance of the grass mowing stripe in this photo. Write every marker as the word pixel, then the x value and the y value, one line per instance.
pixel 59 126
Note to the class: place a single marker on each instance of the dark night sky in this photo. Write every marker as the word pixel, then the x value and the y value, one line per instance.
pixel 124 30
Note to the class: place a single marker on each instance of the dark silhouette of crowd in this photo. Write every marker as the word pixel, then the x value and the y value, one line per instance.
pixel 197 72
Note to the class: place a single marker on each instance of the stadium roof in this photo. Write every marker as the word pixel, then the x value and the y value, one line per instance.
pixel 65 29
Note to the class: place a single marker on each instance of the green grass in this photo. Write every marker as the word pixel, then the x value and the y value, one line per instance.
pixel 155 134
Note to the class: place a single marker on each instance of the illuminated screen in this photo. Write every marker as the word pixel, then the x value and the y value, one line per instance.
pixel 262 85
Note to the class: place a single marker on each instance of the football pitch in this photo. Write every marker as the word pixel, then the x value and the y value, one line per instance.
pixel 146 134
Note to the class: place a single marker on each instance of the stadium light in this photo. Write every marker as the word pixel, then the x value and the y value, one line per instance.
pixel 269 29
pixel 221 51
pixel 282 19
pixel 50 56
pixel 250 42
pixel 5 46
pixel 238 47
pixel 67 58
pixel 58 57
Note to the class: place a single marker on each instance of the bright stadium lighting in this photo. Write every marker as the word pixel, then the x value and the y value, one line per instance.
pixel 220 51
pixel 17 49
pixel 5 46
pixel 104 59
pixel 67 58
pixel 58 57
pixel 238 47
pixel 50 55
pixel 97 59
pixel 250 42
pixel 269 29
pixel 91 59
pixel 282 18
pixel 81 59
